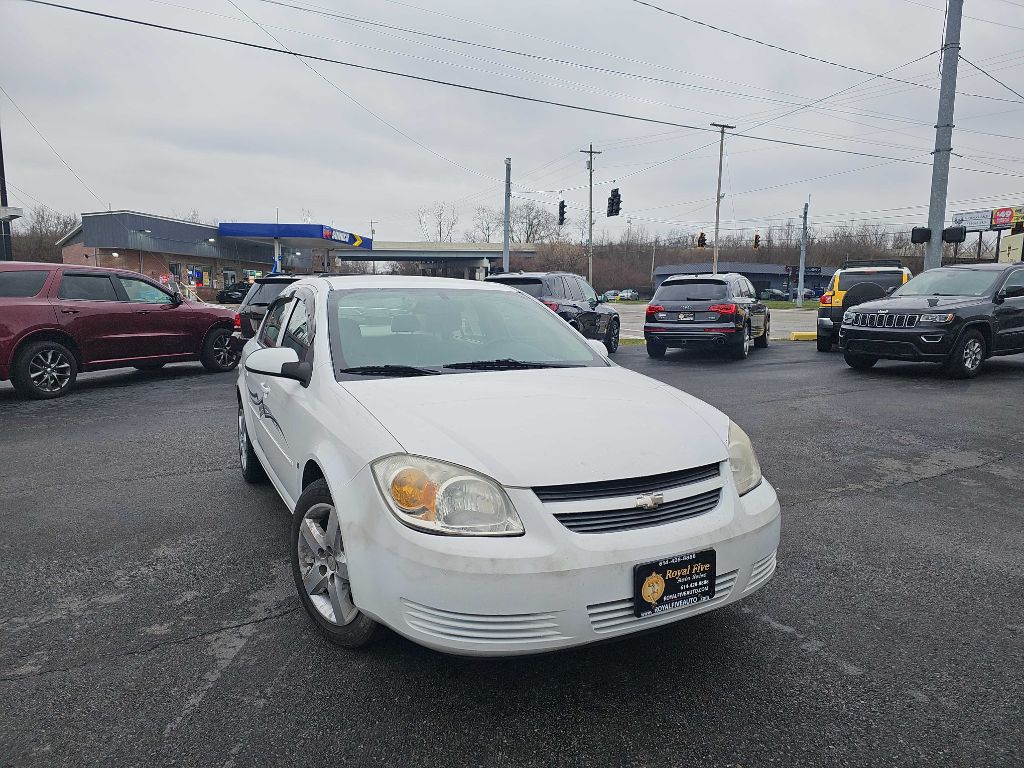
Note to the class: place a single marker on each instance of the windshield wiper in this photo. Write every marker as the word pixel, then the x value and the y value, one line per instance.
pixel 505 364
pixel 389 370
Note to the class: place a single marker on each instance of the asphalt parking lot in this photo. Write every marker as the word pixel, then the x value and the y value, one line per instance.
pixel 149 617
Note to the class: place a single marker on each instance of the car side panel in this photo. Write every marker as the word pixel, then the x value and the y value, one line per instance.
pixel 20 318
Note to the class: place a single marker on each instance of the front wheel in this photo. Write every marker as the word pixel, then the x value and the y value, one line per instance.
pixel 655 349
pixel 859 362
pixel 965 360
pixel 252 469
pixel 611 336
pixel 217 355
pixel 320 565
pixel 43 370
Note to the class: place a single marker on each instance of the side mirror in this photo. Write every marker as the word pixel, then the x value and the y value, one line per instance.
pixel 178 299
pixel 890 290
pixel 281 363
pixel 599 347
pixel 1013 292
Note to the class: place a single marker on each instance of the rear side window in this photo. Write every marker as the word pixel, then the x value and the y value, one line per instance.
pixel 263 294
pixel 532 286
pixel 22 284
pixel 692 290
pixel 848 280
pixel 87 288
pixel 556 288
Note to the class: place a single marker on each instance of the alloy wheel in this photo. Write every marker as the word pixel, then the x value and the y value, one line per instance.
pixel 243 440
pixel 323 565
pixel 973 352
pixel 50 370
pixel 613 337
pixel 222 352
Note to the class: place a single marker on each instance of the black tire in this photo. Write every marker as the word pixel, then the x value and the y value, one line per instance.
pixel 611 336
pixel 824 343
pixel 217 355
pixel 761 342
pixel 967 355
pixel 741 350
pixel 43 370
pixel 149 366
pixel 252 467
pixel 859 362
pixel 655 349
pixel 360 630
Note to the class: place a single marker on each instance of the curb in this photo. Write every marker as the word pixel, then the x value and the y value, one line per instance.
pixel 803 335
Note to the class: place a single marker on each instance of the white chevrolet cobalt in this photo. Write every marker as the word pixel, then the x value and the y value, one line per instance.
pixel 442 446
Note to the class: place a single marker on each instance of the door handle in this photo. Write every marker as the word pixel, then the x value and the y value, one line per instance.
pixel 142 312
pixel 70 311
pixel 265 388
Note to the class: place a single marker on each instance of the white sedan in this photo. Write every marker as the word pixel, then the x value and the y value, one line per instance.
pixel 441 444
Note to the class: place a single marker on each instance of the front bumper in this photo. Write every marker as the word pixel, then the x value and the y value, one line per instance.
pixel 682 334
pixel 923 343
pixel 551 588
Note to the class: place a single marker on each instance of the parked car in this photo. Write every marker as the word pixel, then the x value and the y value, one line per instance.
pixel 699 310
pixel 234 293
pixel 571 298
pixel 399 419
pixel 261 294
pixel 628 295
pixel 854 283
pixel 957 316
pixel 773 294
pixel 59 320
pixel 609 296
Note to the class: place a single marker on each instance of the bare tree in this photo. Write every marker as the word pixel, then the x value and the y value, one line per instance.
pixel 487 223
pixel 437 222
pixel 34 238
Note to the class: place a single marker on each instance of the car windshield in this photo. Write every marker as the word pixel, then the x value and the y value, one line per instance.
pixel 691 290
pixel 949 282
pixel 436 328
pixel 532 286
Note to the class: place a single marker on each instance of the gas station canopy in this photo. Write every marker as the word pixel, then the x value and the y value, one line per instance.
pixel 297 236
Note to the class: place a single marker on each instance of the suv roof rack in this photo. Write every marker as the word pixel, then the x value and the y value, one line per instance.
pixel 872 263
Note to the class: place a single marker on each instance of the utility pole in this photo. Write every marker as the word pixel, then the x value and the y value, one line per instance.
pixel 590 214
pixel 943 135
pixel 373 262
pixel 718 194
pixel 277 242
pixel 6 252
pixel 803 259
pixel 508 213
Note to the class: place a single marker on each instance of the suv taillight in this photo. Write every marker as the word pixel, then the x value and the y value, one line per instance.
pixel 653 309
pixel 238 322
pixel 723 309
pixel 553 306
pixel 826 299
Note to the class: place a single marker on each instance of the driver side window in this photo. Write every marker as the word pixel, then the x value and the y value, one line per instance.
pixel 270 331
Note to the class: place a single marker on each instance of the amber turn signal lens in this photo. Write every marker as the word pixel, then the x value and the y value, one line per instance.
pixel 413 491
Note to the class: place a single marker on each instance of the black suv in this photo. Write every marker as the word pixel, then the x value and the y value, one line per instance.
pixel 234 293
pixel 572 299
pixel 254 306
pixel 720 309
pixel 956 315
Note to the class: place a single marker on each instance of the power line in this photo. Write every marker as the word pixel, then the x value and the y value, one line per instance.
pixel 800 53
pixel 990 77
pixel 489 91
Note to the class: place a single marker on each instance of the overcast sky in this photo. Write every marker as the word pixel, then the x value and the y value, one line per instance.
pixel 163 123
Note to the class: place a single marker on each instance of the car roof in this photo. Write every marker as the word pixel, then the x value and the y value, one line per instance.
pixel 873 269
pixel 990 267
pixel 537 275
pixel 723 276
pixel 402 281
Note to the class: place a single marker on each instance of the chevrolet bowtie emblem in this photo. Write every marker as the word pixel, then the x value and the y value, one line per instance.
pixel 650 500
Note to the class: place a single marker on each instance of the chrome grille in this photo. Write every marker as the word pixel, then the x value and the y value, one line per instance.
pixel 884 320
pixel 617 615
pixel 615 520
pixel 607 489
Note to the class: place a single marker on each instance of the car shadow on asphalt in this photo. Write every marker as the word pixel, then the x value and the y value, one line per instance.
pixel 117 378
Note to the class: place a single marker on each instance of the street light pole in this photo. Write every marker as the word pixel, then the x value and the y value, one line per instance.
pixel 6 252
pixel 590 215
pixel 508 214
pixel 943 135
pixel 718 193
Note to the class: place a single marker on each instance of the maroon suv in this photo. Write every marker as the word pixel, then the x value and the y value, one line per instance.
pixel 59 319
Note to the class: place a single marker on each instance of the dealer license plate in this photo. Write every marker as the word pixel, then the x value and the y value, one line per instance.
pixel 686 315
pixel 675 582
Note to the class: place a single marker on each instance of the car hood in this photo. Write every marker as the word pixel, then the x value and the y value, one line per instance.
pixel 548 426
pixel 918 303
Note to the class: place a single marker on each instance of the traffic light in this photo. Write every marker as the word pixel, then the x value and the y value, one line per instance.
pixel 561 212
pixel 702 240
pixel 614 203
pixel 757 242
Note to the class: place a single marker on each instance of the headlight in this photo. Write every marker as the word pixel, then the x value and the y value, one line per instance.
pixel 937 318
pixel 444 498
pixel 745 469
pixel 848 316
